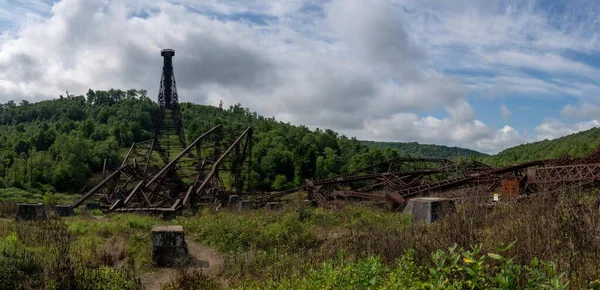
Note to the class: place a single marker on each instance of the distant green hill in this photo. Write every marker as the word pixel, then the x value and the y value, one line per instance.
pixel 577 144
pixel 428 150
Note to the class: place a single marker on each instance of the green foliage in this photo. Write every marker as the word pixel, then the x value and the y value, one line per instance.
pixel 52 199
pixel 64 142
pixel 19 195
pixel 451 269
pixel 236 232
pixel 107 278
pixel 47 255
pixel 577 144
pixel 20 268
pixel 427 150
pixel 190 280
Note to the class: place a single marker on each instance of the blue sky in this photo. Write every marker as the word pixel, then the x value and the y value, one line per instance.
pixel 482 74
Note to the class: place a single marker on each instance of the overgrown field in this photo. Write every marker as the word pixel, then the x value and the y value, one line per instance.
pixel 549 241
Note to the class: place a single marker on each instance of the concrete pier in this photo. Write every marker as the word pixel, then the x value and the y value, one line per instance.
pixel 31 212
pixel 168 246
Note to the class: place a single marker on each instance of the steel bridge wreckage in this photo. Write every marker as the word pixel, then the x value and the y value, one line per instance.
pixel 166 175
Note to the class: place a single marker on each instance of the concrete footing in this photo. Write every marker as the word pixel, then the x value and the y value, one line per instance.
pixel 64 210
pixel 232 200
pixel 428 209
pixel 168 246
pixel 246 205
pixel 274 206
pixel 31 212
pixel 92 205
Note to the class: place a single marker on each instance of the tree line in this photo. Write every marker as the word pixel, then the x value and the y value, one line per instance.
pixel 59 144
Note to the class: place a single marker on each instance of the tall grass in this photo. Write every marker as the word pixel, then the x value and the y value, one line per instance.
pixel 553 242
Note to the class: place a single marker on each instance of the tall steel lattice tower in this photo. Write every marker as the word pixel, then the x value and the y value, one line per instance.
pixel 169 137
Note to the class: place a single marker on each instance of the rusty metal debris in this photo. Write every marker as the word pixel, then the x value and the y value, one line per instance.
pixel 166 175
pixel 395 187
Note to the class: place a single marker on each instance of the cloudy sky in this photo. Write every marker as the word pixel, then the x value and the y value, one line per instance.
pixel 480 74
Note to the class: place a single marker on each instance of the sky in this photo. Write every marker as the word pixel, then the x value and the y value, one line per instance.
pixel 479 74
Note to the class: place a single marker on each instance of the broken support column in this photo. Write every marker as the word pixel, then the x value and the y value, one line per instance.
pixel 64 210
pixel 246 205
pixel 274 206
pixel 168 246
pixel 31 212
pixel 428 209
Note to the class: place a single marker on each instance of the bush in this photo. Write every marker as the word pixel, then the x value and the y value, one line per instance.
pixel 53 199
pixel 106 278
pixel 19 267
pixel 18 195
pixel 186 279
pixel 451 269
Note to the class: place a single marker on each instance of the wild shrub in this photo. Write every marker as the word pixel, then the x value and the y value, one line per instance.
pixel 250 230
pixel 454 268
pixel 190 279
pixel 107 278
pixel 20 268
pixel 8 209
pixel 49 255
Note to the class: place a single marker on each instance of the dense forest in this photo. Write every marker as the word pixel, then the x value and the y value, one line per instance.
pixel 429 150
pixel 57 145
pixel 577 144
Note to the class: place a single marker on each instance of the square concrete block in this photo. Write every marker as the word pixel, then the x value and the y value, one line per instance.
pixel 246 205
pixel 428 209
pixel 31 212
pixel 92 205
pixel 168 246
pixel 233 200
pixel 64 210
pixel 274 206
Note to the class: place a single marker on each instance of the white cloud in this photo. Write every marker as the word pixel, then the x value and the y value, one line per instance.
pixel 544 62
pixel 461 128
pixel 371 69
pixel 506 113
pixel 553 128
pixel 584 110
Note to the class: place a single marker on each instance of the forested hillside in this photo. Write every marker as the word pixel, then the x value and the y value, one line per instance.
pixel 58 144
pixel 429 150
pixel 578 144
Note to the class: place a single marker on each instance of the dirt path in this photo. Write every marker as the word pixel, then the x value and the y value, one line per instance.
pixel 205 258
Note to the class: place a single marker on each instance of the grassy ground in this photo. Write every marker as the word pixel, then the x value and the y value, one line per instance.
pixel 548 242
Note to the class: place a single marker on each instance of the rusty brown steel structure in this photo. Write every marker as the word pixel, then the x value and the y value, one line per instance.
pixel 164 174
pixel 388 176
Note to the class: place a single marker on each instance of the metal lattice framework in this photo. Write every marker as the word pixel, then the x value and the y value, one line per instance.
pixel 524 178
pixel 166 175
pixel 389 176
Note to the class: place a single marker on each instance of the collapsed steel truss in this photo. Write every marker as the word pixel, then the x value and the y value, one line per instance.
pixel 396 186
pixel 166 175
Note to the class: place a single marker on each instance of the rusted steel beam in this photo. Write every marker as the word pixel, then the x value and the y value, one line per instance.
pixel 563 174
pixel 148 156
pixel 98 186
pixel 161 172
pixel 446 163
pixel 469 180
pixel 127 155
pixel 133 192
pixel 394 197
pixel 369 196
pixel 352 178
pixel 215 166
